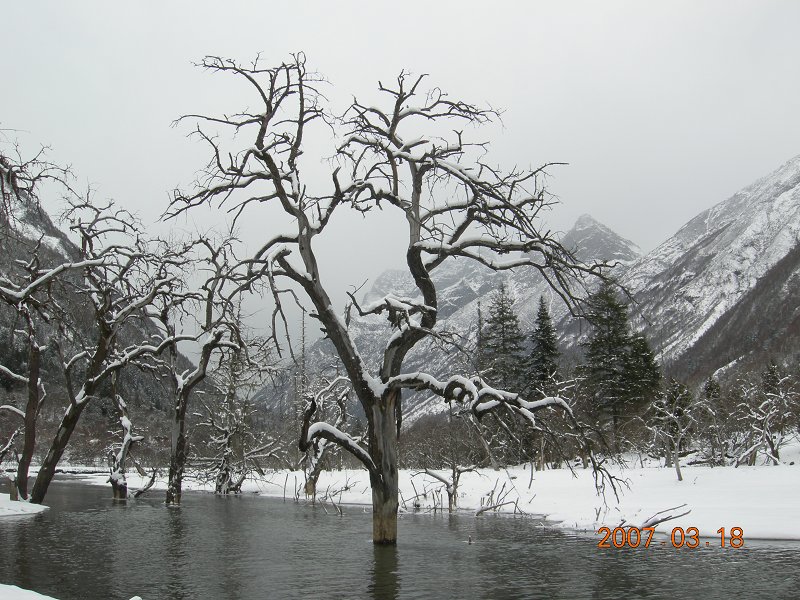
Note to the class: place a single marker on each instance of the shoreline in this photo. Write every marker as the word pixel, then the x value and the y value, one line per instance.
pixel 761 500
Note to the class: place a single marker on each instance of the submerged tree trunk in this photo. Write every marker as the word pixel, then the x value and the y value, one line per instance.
pixel 383 446
pixel 48 468
pixel 177 460
pixel 119 485
pixel 31 412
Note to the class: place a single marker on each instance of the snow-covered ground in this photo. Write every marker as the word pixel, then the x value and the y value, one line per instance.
pixel 11 508
pixel 12 592
pixel 762 500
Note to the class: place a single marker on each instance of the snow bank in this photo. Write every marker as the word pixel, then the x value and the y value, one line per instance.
pixel 12 592
pixel 11 508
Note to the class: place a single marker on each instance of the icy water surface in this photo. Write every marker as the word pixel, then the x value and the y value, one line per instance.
pixel 89 547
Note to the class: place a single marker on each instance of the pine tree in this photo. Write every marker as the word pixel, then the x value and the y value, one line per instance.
pixel 502 341
pixel 480 345
pixel 711 389
pixel 543 371
pixel 771 379
pixel 621 370
pixel 643 375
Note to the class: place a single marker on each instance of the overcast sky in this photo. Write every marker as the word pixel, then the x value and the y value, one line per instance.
pixel 661 109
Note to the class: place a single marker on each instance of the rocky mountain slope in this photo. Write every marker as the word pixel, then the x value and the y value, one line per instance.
pixel 731 268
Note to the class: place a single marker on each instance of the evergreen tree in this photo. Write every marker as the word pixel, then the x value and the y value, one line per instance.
pixel 543 370
pixel 771 379
pixel 502 342
pixel 643 375
pixel 480 345
pixel 621 371
pixel 712 390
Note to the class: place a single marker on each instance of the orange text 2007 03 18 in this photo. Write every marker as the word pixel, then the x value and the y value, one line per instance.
pixel 633 537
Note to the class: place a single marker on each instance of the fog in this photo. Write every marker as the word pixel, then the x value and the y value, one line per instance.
pixel 661 109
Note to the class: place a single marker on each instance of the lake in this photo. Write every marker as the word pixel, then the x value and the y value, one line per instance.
pixel 91 547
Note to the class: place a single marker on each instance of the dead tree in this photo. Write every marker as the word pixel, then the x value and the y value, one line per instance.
pixel 30 293
pixel 337 392
pixel 117 460
pixel 235 447
pixel 26 287
pixel 410 157
pixel 216 328
pixel 120 278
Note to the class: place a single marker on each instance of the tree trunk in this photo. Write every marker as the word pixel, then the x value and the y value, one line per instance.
pixel 48 469
pixel 677 459
pixel 489 456
pixel 383 446
pixel 177 460
pixel 31 410
pixel 384 512
pixel 119 487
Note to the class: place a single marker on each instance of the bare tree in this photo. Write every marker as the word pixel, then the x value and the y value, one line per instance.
pixel 21 178
pixel 410 157
pixel 117 460
pixel 331 392
pixel 214 329
pixel 454 451
pixel 765 412
pixel 26 287
pixel 121 276
pixel 236 446
pixel 674 416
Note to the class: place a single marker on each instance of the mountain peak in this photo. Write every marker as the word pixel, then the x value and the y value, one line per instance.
pixel 591 241
pixel 585 221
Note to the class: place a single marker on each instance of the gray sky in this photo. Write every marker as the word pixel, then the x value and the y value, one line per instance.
pixel 662 109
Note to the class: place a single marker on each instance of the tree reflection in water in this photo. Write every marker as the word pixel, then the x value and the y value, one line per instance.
pixel 385 581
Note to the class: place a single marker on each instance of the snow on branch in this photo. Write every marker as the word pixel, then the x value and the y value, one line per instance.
pixel 311 432
pixel 480 397
pixel 13 409
pixel 9 374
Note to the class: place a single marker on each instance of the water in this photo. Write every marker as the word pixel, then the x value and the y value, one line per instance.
pixel 90 547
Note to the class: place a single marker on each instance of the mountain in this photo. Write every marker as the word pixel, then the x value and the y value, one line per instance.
pixel 705 295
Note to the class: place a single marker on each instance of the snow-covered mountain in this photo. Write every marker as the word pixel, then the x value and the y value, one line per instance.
pixel 688 284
